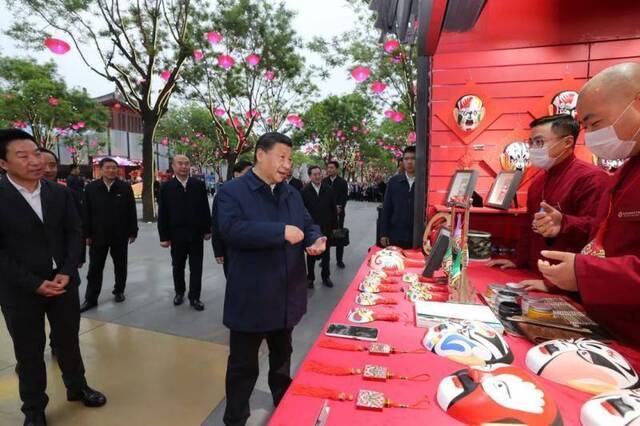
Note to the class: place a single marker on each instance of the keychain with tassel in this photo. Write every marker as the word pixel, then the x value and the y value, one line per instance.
pixel 373 348
pixel 369 372
pixel 371 299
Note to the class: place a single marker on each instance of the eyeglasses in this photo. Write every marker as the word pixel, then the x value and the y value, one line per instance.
pixel 540 142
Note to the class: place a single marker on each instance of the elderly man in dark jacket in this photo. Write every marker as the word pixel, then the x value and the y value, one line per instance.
pixel 266 230
pixel 396 227
pixel 110 224
pixel 321 203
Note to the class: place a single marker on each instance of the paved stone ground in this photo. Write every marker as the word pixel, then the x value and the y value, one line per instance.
pixel 150 295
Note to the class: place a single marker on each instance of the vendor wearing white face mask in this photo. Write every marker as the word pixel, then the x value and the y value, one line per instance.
pixel 607 274
pixel 561 202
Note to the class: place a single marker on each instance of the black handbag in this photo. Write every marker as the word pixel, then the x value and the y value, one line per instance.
pixel 339 237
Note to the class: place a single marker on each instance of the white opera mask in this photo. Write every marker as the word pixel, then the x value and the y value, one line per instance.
pixel 583 364
pixel 564 103
pixel 515 156
pixel 469 112
pixel 387 259
pixel 620 408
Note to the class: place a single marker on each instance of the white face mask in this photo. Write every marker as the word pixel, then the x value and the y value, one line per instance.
pixel 539 157
pixel 606 144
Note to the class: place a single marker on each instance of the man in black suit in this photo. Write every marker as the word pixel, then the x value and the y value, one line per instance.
pixel 110 224
pixel 320 201
pixel 396 222
pixel 184 221
pixel 39 253
pixel 341 191
pixel 75 181
pixel 294 181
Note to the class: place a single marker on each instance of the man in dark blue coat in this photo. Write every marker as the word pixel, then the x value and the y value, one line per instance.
pixel 396 227
pixel 266 230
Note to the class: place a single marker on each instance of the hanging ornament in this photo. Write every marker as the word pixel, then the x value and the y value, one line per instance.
pixel 376 373
pixel 388 113
pixel 391 46
pixel 198 55
pixel 293 118
pixel 360 74
pixel 165 75
pixel 214 37
pixel 80 124
pixel 165 141
pixel 53 101
pixel 219 112
pixel 412 137
pixel 253 60
pixel 226 61
pixel 252 113
pixel 269 75
pixel 397 116
pixel 57 46
pixel 378 87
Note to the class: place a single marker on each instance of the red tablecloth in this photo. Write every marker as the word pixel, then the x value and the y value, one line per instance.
pixel 303 410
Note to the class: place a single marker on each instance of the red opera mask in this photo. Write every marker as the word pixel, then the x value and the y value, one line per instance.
pixel 583 364
pixel 497 394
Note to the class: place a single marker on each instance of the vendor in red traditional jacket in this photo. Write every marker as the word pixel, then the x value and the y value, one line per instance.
pixel 569 189
pixel 607 274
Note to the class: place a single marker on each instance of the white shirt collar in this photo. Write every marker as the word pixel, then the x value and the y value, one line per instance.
pixel 316 187
pixel 410 179
pixel 183 182
pixel 332 178
pixel 108 185
pixel 21 189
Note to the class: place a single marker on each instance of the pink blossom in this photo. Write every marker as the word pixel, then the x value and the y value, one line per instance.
pixel 57 46
pixel 198 55
pixel 378 87
pixel 253 60
pixel 391 46
pixel 165 75
pixel 226 62
pixel 360 74
pixel 214 37
pixel 269 75
pixel 219 112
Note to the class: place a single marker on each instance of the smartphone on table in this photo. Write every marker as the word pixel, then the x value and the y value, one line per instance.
pixel 352 332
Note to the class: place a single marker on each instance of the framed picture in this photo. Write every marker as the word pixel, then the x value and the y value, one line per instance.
pixel 438 251
pixel 504 189
pixel 462 185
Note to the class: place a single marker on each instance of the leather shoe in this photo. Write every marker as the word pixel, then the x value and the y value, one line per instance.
pixel 197 305
pixel 119 297
pixel 341 265
pixel 178 300
pixel 327 282
pixel 35 420
pixel 86 306
pixel 88 396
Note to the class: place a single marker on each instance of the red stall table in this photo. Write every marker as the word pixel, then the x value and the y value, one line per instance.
pixel 298 410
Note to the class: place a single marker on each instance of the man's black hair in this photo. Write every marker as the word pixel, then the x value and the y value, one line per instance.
pixel 561 125
pixel 335 163
pixel 47 151
pixel 267 141
pixel 311 168
pixel 409 149
pixel 107 160
pixel 241 165
pixel 9 135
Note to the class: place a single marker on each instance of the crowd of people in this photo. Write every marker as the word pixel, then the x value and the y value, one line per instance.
pixel 582 237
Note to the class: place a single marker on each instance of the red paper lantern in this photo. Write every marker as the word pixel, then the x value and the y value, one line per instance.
pixel 253 60
pixel 198 55
pixel 378 87
pixel 226 62
pixel 360 74
pixel 391 46
pixel 57 46
pixel 214 37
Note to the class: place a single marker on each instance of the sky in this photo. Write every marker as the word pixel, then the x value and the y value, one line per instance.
pixel 315 18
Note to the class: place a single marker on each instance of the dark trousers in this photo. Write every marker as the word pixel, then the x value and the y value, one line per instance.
pixel 325 259
pixel 401 243
pixel 340 248
pixel 27 329
pixel 194 250
pixel 97 258
pixel 242 370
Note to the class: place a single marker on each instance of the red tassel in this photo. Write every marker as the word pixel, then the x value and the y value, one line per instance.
pixel 393 272
pixel 386 301
pixel 317 392
pixel 424 401
pixel 341 346
pixel 414 263
pixel 380 316
pixel 389 289
pixel 331 370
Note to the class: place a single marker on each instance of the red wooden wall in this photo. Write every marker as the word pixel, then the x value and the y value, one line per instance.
pixel 515 78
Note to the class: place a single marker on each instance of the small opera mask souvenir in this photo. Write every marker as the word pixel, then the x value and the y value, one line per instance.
pixel 468 342
pixel 608 165
pixel 497 393
pixel 361 315
pixel 620 408
pixel 564 103
pixel 515 156
pixel 583 364
pixel 387 259
pixel 468 112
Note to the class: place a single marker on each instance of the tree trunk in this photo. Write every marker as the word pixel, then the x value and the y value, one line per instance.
pixel 231 161
pixel 149 124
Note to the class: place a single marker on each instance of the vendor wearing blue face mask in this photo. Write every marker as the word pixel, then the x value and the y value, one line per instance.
pixel 561 202
pixel 607 273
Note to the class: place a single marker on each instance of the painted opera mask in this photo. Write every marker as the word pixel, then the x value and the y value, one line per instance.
pixel 608 165
pixel 564 103
pixel 387 259
pixel 620 408
pixel 515 156
pixel 583 364
pixel 468 342
pixel 469 112
pixel 497 393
